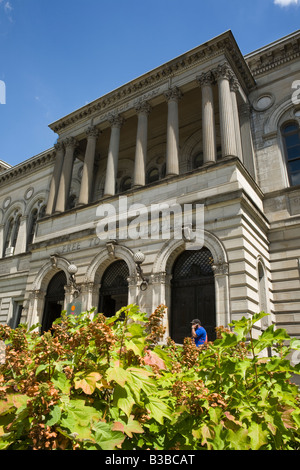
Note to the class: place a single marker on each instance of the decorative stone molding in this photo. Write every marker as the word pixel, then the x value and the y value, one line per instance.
pixel 71 142
pixel 220 268
pixel 171 249
pixel 93 131
pixel 223 44
pixel 143 107
pixel 223 71
pixel 102 260
pixel 116 120
pixel 206 78
pixel 173 94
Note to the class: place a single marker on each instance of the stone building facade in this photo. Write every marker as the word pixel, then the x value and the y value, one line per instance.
pixel 211 132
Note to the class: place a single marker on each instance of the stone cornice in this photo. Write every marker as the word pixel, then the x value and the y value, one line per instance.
pixel 223 44
pixel 28 166
pixel 274 55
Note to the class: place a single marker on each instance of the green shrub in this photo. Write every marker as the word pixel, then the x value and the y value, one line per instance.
pixel 107 383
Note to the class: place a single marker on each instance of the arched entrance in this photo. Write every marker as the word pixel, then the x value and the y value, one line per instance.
pixel 193 294
pixel 54 300
pixel 114 288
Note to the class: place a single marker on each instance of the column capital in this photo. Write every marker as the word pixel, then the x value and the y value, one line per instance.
pixel 93 131
pixel 116 120
pixel 173 94
pixel 206 78
pixel 59 146
pixel 223 71
pixel 70 142
pixel 143 107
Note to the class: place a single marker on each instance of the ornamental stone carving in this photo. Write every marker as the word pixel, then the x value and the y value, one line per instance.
pixel 143 107
pixel 93 131
pixel 173 94
pixel 116 120
pixel 206 78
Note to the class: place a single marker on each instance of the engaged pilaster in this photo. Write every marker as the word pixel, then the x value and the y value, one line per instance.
pixel 206 80
pixel 116 122
pixel 172 158
pixel 66 174
pixel 88 166
pixel 143 110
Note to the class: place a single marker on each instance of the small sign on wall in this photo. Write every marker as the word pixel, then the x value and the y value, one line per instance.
pixel 74 308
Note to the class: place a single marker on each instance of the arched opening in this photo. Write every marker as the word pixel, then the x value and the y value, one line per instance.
pixel 291 138
pixel 193 294
pixel 114 288
pixel 54 300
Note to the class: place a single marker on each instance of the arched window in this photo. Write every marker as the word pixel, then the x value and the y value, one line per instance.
pixel 291 138
pixel 54 300
pixel 114 288
pixel 32 226
pixel 198 160
pixel 152 175
pixel 12 232
pixel 125 184
pixel 9 231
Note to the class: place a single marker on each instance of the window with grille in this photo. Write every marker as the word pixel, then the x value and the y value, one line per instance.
pixel 193 264
pixel 291 137
pixel 115 278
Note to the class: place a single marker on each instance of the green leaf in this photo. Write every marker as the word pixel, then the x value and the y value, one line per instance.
pixel 123 399
pixel 238 440
pixel 135 345
pixel 11 402
pixel 117 374
pixel 158 409
pixel 87 382
pixel 258 436
pixel 78 419
pixel 54 416
pixel 106 438
pixel 129 428
pixel 61 382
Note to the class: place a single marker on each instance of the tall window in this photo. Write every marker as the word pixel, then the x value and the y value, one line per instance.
pixel 291 138
pixel 32 226
pixel 12 232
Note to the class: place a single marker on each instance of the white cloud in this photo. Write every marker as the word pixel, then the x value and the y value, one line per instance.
pixel 286 3
pixel 7 7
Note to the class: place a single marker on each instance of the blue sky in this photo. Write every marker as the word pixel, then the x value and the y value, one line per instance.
pixel 58 55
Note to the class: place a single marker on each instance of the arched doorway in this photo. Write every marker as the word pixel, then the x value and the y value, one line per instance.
pixel 114 288
pixel 54 300
pixel 193 294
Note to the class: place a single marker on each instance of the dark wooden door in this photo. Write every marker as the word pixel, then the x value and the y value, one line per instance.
pixel 193 294
pixel 54 300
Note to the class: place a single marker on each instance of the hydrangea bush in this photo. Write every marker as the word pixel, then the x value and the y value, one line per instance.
pixel 110 383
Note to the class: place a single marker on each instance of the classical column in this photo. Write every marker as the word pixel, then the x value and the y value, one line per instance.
pixel 234 88
pixel 116 122
pixel 143 110
pixel 88 166
pixel 172 158
pixel 59 158
pixel 205 80
pixel 66 175
pixel 246 136
pixel 223 74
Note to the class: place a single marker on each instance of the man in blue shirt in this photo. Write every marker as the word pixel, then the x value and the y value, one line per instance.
pixel 198 332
